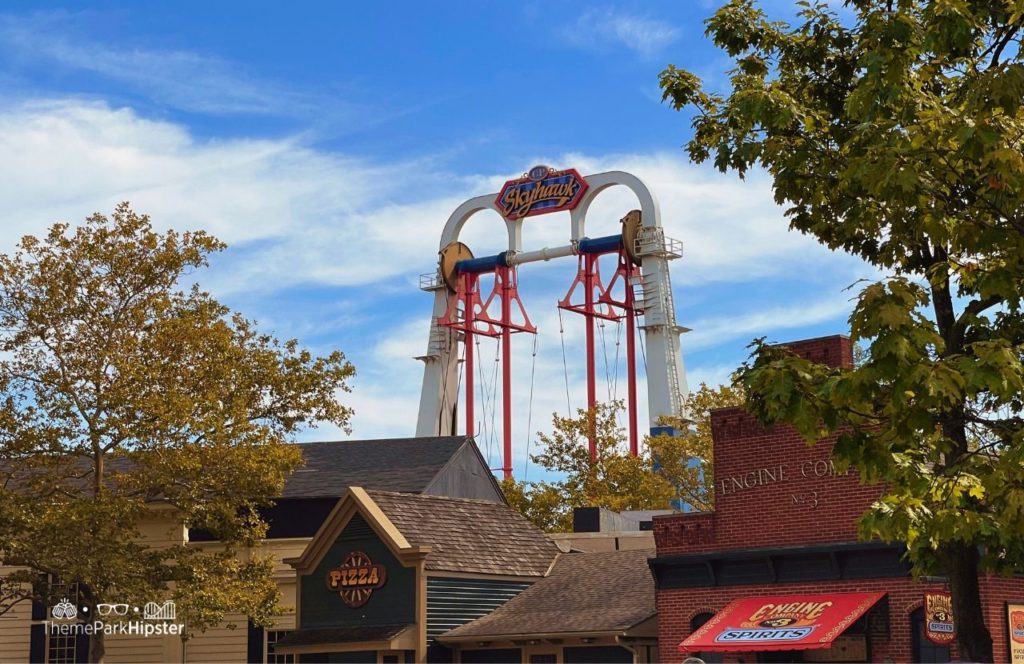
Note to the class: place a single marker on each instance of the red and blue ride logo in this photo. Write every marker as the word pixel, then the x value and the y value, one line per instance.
pixel 540 191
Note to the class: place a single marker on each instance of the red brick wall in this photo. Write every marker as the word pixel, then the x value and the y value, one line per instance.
pixel 676 608
pixel 834 351
pixel 995 593
pixel 771 488
pixel 805 503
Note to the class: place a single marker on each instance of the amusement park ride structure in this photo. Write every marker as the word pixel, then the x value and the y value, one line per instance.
pixel 639 287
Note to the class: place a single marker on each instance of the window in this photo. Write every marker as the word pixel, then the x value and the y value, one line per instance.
pixel 546 658
pixel 273 636
pixel 924 650
pixel 61 649
pixel 64 604
pixel 696 623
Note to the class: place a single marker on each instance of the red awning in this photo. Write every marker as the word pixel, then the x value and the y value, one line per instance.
pixel 780 622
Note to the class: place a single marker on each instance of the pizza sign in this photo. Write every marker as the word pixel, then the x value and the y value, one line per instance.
pixel 540 191
pixel 356 578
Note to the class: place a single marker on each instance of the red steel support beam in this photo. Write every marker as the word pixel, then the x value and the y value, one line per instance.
pixel 468 284
pixel 502 273
pixel 472 315
pixel 590 264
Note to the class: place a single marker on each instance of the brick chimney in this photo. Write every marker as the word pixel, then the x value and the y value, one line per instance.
pixel 834 351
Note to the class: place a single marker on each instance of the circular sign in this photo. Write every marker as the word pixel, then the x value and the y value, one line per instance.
pixel 538 172
pixel 356 578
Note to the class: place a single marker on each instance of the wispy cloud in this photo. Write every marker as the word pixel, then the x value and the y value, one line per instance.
pixel 352 229
pixel 297 215
pixel 596 29
pixel 178 79
pixel 715 331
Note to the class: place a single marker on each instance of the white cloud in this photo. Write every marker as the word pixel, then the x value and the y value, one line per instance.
pixel 179 79
pixel 596 28
pixel 293 215
pixel 712 376
pixel 715 331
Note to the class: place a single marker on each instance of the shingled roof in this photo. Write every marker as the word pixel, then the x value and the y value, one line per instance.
pixel 606 592
pixel 466 535
pixel 407 465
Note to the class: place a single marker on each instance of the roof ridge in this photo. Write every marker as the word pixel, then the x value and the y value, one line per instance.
pixel 613 552
pixel 417 439
pixel 429 496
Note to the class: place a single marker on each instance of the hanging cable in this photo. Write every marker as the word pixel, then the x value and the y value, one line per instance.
pixel 565 365
pixel 607 370
pixel 615 364
pixel 494 394
pixel 643 352
pixel 529 409
pixel 482 421
pixel 615 371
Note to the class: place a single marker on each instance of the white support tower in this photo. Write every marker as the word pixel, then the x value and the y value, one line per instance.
pixel 664 358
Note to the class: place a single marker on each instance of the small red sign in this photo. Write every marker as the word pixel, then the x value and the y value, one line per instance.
pixel 540 191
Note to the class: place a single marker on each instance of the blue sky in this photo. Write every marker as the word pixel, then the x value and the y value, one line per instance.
pixel 328 143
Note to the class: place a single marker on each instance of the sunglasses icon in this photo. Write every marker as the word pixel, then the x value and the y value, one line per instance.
pixel 116 609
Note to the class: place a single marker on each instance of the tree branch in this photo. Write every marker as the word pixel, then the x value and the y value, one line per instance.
pixel 973 308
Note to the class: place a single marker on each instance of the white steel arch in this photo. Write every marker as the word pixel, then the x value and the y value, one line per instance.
pixel 666 377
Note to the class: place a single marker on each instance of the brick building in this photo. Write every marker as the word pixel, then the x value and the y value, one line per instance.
pixel 784 531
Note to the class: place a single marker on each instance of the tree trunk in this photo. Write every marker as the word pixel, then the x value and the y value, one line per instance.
pixel 961 558
pixel 972 636
pixel 97 647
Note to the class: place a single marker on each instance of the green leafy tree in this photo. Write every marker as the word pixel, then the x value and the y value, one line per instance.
pixel 540 502
pixel 123 394
pixel 894 133
pixel 668 469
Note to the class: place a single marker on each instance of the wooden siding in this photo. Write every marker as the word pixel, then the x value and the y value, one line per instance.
pixel 466 476
pixel 454 602
pixel 14 629
pixel 221 643
pixel 152 650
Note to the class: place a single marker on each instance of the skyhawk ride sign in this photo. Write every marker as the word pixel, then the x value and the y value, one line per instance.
pixel 542 190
